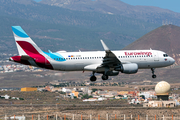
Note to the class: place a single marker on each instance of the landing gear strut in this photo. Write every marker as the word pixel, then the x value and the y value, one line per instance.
pixel 153 75
pixel 93 77
pixel 105 76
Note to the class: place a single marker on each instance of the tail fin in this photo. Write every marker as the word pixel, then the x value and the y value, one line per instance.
pixel 24 43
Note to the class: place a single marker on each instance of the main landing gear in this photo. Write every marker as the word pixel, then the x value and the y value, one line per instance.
pixel 93 77
pixel 153 75
pixel 104 77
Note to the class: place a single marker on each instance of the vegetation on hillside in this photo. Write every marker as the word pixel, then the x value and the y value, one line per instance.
pixel 57 28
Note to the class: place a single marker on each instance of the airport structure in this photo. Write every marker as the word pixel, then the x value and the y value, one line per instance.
pixel 162 90
pixel 28 89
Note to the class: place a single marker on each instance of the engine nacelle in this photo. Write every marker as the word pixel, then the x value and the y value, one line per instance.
pixel 112 73
pixel 129 68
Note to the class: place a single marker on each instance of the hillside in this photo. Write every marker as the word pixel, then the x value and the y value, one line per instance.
pixel 165 38
pixel 116 7
pixel 79 24
pixel 58 28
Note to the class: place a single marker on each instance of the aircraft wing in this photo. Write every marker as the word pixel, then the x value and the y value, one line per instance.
pixel 110 60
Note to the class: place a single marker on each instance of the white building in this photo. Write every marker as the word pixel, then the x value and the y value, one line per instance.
pixel 6 96
pixel 66 90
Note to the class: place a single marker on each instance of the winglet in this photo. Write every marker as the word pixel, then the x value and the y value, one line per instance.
pixel 104 46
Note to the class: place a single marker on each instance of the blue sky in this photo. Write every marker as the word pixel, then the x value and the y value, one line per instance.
pixel 37 0
pixel 173 5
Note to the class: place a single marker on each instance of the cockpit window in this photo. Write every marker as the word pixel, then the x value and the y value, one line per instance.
pixel 165 55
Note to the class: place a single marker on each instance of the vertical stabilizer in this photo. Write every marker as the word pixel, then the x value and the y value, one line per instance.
pixel 24 43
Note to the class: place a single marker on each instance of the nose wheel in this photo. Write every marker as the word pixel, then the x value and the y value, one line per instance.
pixel 153 75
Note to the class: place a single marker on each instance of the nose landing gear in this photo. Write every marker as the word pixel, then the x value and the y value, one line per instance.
pixel 153 75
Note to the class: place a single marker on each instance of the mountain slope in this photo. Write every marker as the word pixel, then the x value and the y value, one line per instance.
pixel 49 36
pixel 59 28
pixel 165 38
pixel 117 7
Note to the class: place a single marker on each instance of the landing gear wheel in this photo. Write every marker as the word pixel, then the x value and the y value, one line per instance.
pixel 153 76
pixel 104 77
pixel 93 78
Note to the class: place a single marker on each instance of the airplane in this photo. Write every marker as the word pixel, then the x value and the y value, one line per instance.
pixel 107 62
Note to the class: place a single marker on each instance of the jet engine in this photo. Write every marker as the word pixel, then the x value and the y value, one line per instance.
pixel 129 68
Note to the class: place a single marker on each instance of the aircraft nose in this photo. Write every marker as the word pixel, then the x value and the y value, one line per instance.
pixel 172 61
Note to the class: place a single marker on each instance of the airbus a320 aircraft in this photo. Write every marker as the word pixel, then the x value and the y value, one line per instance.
pixel 107 62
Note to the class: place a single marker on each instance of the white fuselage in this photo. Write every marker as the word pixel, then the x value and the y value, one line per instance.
pixel 76 61
pixel 107 62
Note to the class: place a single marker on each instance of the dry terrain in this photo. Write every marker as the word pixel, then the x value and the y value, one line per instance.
pixel 87 112
pixel 46 98
pixel 28 79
